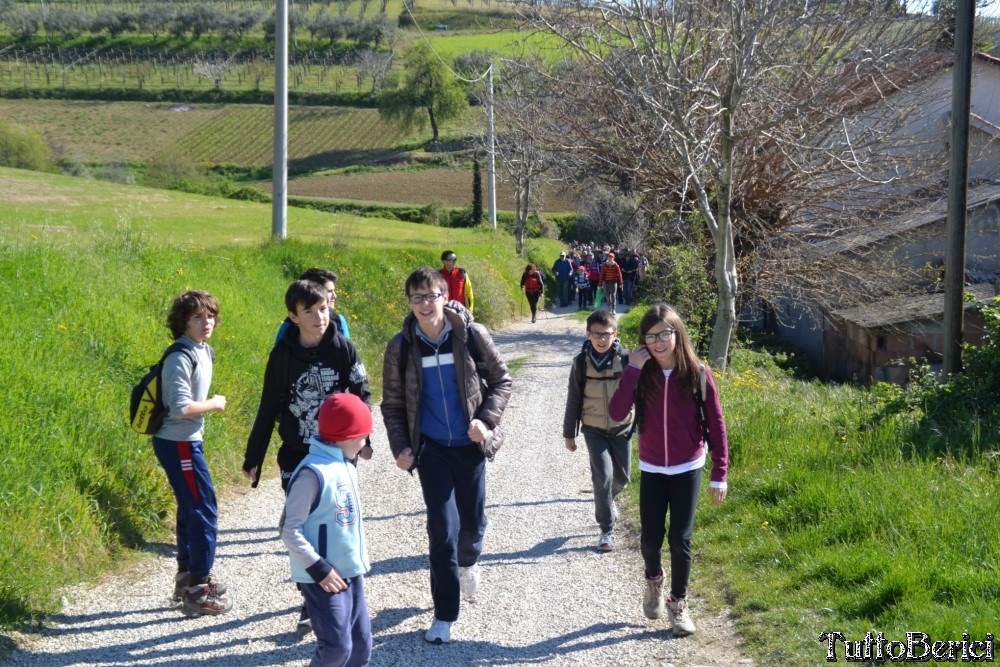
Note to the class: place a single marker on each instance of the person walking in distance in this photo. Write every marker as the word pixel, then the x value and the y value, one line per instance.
pixel 445 387
pixel 457 279
pixel 562 269
pixel 663 380
pixel 611 281
pixel 533 284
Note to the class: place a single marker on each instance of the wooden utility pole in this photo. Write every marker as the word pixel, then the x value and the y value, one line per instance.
pixel 958 189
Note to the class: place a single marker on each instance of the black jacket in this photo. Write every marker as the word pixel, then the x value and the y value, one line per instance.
pixel 296 381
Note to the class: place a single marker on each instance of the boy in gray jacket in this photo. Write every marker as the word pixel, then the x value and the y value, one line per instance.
pixel 186 377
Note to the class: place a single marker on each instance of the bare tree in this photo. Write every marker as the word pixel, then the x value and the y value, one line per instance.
pixel 748 111
pixel 372 65
pixel 520 103
pixel 214 70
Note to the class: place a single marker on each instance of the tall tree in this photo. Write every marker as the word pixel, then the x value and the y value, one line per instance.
pixel 426 86
pixel 748 111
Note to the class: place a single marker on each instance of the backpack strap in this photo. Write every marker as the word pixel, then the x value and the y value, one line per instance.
pixel 188 351
pixel 699 399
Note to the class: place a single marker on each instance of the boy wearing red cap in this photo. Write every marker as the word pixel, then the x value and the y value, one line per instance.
pixel 322 528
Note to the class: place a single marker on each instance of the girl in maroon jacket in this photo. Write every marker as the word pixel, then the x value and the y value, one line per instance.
pixel 661 379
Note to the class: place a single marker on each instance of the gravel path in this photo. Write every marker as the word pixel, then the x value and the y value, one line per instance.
pixel 547 596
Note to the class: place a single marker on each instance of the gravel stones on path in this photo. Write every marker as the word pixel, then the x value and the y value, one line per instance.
pixel 547 597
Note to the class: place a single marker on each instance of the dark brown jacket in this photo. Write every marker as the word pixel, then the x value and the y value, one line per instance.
pixel 486 389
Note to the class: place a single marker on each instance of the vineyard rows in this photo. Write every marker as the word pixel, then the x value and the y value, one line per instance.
pixel 244 135
pixel 308 72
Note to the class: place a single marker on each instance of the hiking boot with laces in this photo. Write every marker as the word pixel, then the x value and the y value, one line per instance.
pixel 680 618
pixel 652 597
pixel 468 581
pixel 181 581
pixel 208 598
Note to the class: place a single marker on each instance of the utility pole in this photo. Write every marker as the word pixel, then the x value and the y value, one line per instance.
pixel 492 178
pixel 279 170
pixel 958 189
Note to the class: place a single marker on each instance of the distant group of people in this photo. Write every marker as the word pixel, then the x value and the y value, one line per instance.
pixel 598 275
pixel 445 389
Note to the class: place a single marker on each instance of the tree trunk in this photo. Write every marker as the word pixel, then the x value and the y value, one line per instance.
pixel 434 125
pixel 521 212
pixel 725 252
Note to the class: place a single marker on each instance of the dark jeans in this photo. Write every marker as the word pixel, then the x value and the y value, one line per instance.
pixel 533 302
pixel 583 296
pixel 197 509
pixel 340 621
pixel 453 480
pixel 563 293
pixel 610 466
pixel 627 294
pixel 679 494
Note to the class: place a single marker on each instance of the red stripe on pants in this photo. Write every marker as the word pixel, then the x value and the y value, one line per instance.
pixel 187 468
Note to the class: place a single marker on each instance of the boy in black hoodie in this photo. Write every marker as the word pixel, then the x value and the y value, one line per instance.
pixel 310 362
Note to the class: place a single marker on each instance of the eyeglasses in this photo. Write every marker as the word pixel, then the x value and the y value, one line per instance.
pixel 450 259
pixel 601 335
pixel 663 336
pixel 417 299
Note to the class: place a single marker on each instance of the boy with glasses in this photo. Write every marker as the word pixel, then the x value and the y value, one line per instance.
pixel 444 390
pixel 593 379
pixel 458 287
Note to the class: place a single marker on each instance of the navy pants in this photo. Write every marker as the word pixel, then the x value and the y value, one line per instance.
pixel 340 621
pixel 677 494
pixel 453 480
pixel 197 509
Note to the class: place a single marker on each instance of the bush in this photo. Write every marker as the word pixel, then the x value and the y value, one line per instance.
pixel 23 148
pixel 959 413
pixel 169 167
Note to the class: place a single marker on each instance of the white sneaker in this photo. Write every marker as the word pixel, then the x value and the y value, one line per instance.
pixel 680 618
pixel 439 632
pixel 468 581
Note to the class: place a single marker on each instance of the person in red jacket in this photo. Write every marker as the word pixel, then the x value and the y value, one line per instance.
pixel 662 379
pixel 611 280
pixel 459 285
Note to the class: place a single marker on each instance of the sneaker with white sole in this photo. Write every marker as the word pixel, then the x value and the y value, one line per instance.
pixel 607 541
pixel 468 581
pixel 680 618
pixel 439 632
pixel 652 597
